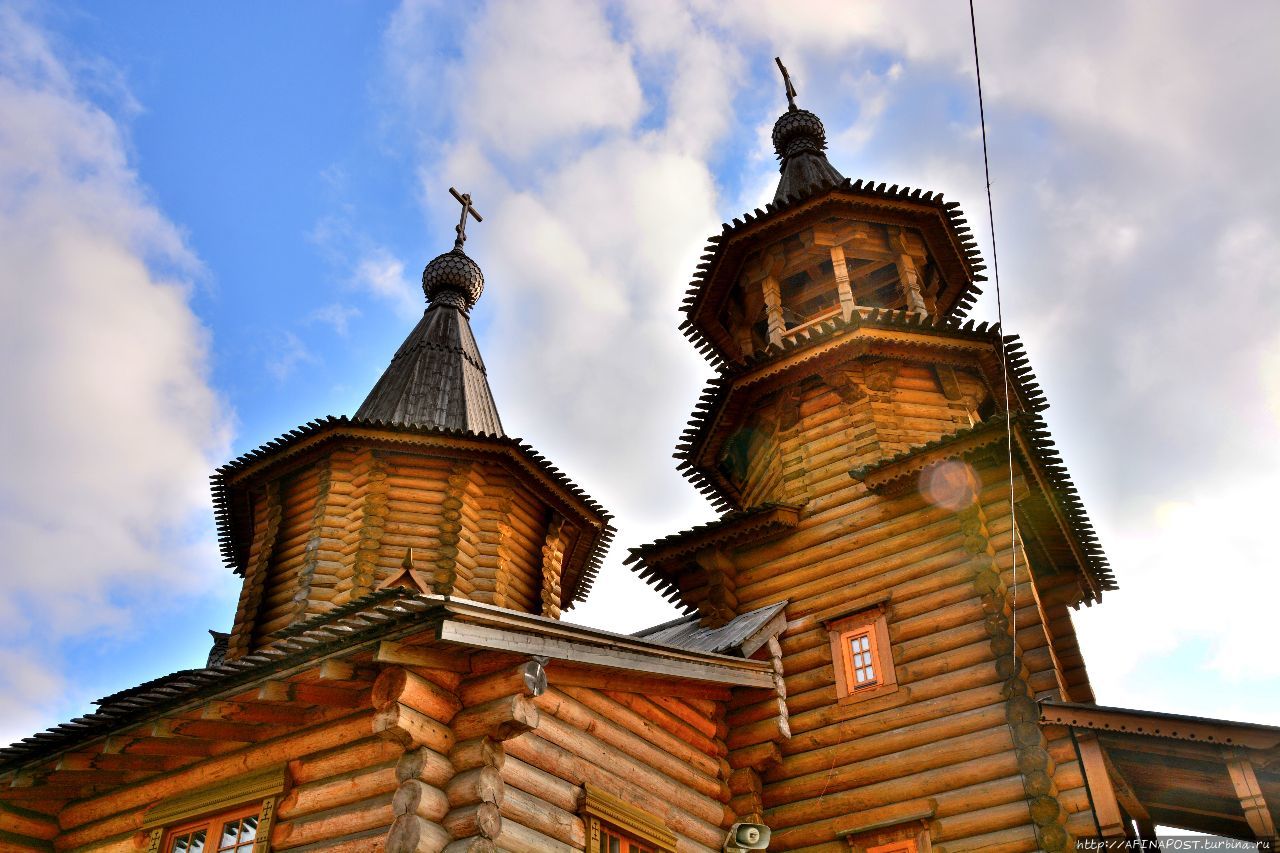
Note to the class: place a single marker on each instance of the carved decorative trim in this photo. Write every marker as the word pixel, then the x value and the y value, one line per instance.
pixel 603 806
pixel 244 789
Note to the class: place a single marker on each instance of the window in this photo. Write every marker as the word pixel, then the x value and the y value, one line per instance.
pixel 616 826
pixel 861 657
pixel 232 817
pixel 613 840
pixel 895 847
pixel 229 832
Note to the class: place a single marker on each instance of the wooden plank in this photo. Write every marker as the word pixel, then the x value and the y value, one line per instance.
pixel 530 644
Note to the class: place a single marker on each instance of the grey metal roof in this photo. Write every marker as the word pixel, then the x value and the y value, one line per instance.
pixel 689 634
pixel 436 378
pixel 378 615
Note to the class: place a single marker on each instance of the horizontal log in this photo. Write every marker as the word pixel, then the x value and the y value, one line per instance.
pixel 342 790
pixel 356 817
pixel 527 811
pixel 396 684
pixel 477 752
pixel 368 841
pixel 412 834
pixel 483 819
pixel 505 682
pixel 706 807
pixel 426 765
pixel 557 761
pixel 855 771
pixel 415 797
pixel 901 787
pixel 499 719
pixel 411 729
pixel 218 769
pixel 474 844
pixel 667 721
pixel 481 785
pixel 634 744
pixel 27 822
pixel 891 728
pixel 558 792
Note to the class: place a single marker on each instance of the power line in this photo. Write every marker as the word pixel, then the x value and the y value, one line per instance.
pixel 1004 361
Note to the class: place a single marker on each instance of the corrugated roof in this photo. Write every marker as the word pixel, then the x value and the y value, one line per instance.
pixel 378 615
pixel 688 632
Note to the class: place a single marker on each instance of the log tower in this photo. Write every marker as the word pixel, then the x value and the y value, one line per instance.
pixel 855 439
pixel 421 488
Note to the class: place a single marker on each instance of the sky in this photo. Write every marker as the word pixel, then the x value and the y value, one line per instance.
pixel 213 218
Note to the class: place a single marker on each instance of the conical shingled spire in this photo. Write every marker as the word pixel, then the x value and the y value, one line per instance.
pixel 437 377
pixel 799 140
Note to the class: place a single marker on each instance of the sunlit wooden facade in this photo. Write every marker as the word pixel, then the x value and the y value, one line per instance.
pixel 876 655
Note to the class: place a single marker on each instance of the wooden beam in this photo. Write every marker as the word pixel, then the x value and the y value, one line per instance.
pixel 1106 808
pixel 1124 791
pixel 1254 804
pixel 578 652
pixel 405 655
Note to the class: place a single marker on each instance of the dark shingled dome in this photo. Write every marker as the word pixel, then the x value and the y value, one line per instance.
pixel 453 271
pixel 799 139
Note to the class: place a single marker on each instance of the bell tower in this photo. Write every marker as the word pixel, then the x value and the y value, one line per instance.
pixel 421 488
pixel 884 485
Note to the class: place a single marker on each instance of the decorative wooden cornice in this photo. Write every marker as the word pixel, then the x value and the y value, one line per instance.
pixel 735 530
pixel 613 810
pixel 230 485
pixel 942 225
pixel 1055 501
pixel 882 334
pixel 244 789
pixel 1160 725
pixel 359 627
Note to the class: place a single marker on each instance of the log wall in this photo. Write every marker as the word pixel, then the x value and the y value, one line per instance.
pixel 337 528
pixel 961 728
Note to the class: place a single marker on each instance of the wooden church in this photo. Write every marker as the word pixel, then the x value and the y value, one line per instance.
pixel 877 653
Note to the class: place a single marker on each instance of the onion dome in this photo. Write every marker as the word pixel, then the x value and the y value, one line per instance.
pixel 799 140
pixel 453 275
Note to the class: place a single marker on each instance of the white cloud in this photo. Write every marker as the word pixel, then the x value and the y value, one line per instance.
pixel 336 316
pixel 111 424
pixel 288 354
pixel 1134 195
pixel 381 274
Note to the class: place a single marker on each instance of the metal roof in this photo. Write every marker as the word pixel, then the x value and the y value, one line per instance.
pixel 688 633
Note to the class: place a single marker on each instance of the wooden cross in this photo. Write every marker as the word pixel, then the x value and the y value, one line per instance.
pixel 464 199
pixel 786 80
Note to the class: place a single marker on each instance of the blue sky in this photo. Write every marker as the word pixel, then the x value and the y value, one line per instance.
pixel 214 216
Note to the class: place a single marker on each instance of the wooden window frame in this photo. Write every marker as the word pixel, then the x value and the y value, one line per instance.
pixel 897 837
pixel 874 624
pixel 603 811
pixel 213 824
pixel 239 797
pixel 905 846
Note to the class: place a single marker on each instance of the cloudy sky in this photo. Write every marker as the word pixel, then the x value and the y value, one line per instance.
pixel 212 219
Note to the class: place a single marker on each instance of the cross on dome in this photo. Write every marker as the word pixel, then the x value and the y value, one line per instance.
pixel 465 200
pixel 786 81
